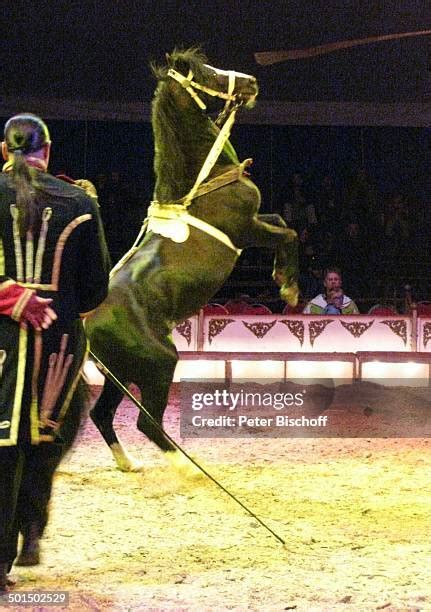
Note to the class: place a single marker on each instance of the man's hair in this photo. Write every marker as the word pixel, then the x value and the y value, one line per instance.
pixel 333 269
pixel 24 134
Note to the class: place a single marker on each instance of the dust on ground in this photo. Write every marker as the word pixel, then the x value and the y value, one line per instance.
pixel 354 514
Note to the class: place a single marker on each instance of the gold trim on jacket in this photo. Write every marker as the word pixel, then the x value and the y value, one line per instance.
pixel 19 388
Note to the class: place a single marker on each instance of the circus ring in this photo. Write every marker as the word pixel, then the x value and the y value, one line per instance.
pixel 353 511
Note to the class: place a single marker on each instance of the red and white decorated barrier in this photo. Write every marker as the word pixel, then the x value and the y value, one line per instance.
pixel 299 333
pixel 279 346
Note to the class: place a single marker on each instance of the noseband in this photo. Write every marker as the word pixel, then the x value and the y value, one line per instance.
pixel 190 86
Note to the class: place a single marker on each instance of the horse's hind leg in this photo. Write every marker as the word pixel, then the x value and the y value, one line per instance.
pixel 102 416
pixel 154 392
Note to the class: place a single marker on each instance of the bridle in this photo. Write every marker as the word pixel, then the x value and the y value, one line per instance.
pixel 191 86
pixel 226 117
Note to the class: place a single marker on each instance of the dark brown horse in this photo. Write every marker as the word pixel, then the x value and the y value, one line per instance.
pixel 194 233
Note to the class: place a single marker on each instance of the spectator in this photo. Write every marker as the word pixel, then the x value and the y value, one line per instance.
pixel 361 205
pixel 310 280
pixel 354 257
pixel 298 211
pixel 332 294
pixel 241 304
pixel 397 243
pixel 335 301
pixel 328 208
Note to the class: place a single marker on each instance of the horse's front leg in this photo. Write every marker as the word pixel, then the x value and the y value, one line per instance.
pixel 271 231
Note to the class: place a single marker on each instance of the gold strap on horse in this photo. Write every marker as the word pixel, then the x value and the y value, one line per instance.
pixel 223 135
pixel 172 219
pixel 190 85
pixel 219 181
pixel 212 156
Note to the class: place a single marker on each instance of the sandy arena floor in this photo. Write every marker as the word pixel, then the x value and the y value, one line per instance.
pixel 355 515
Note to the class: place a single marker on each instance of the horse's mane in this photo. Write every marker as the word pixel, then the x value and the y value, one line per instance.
pixel 181 60
pixel 175 156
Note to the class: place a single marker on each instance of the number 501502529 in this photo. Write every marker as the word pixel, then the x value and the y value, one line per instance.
pixel 35 598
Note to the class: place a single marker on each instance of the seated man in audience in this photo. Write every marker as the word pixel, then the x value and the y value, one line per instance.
pixel 332 301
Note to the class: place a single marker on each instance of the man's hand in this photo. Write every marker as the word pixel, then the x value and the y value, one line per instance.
pixel 39 313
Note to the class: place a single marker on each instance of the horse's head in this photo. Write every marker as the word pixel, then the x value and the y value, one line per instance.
pixel 187 143
pixel 208 86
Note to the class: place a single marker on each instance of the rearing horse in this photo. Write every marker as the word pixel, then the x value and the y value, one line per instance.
pixel 205 210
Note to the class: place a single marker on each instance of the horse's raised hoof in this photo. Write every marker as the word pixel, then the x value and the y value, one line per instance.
pixel 290 293
pixel 183 465
pixel 125 462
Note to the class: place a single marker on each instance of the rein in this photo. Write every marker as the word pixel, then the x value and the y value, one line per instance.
pixel 224 133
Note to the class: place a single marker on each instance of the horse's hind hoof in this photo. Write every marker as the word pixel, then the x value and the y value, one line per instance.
pixel 183 465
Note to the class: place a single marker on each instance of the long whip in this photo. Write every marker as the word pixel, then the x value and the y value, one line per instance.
pixel 153 421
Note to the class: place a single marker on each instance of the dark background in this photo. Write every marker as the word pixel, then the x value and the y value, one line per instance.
pixel 85 68
pixel 395 157
pixel 100 50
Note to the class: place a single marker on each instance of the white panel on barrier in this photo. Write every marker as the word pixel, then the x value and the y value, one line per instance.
pixel 199 369
pixel 306 333
pixel 336 370
pixel 256 370
pixel 395 374
pixel 424 334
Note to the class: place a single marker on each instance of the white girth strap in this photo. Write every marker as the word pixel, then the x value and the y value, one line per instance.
pixel 212 231
pixel 172 221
